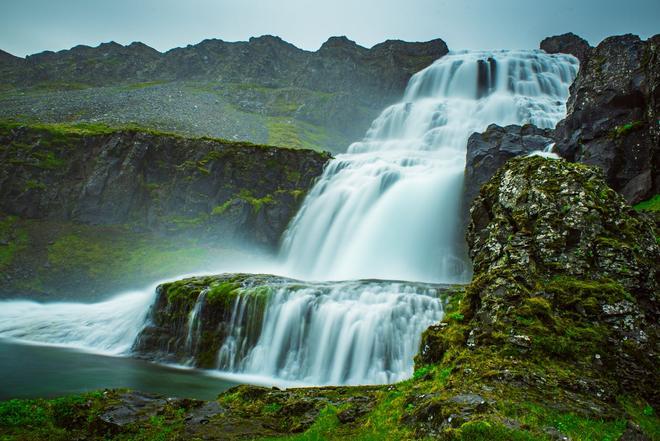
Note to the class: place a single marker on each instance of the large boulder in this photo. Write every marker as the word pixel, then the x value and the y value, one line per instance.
pixel 488 151
pixel 613 114
pixel 568 43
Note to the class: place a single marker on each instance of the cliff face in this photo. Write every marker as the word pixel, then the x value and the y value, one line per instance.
pixel 264 90
pixel 87 210
pixel 613 114
pixel 154 182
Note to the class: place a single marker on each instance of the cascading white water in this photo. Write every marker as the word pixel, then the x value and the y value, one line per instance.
pixel 361 332
pixel 108 327
pixel 389 207
pixel 195 324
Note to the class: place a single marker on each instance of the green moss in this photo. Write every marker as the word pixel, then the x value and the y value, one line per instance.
pixel 652 204
pixel 323 427
pixel 223 292
pixel 456 316
pixel 256 203
pixel 625 129
pixel 33 184
pixel 218 210
pixel 488 431
pixel 13 239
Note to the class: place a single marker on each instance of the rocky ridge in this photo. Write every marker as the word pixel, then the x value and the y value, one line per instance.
pixel 264 90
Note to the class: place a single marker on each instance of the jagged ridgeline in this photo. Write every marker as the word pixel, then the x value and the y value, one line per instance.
pixel 264 90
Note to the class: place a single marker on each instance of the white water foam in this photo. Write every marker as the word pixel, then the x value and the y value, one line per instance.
pixel 389 207
pixel 108 327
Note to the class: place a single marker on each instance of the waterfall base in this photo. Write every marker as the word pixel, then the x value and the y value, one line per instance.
pixel 355 332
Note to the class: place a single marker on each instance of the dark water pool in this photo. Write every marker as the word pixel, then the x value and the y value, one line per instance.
pixel 28 371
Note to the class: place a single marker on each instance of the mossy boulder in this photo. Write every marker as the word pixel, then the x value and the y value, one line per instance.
pixel 563 305
pixel 191 318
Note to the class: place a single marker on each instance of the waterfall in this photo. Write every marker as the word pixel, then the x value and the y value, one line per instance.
pixel 360 332
pixel 388 208
pixel 108 327
pixel 195 324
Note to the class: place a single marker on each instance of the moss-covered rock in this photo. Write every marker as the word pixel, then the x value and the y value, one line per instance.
pixel 562 310
pixel 191 318
pixel 97 175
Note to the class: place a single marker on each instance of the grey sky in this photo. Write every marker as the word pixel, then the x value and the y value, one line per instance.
pixel 30 26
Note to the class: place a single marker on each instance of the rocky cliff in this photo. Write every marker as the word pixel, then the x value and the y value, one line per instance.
pixel 101 176
pixel 263 90
pixel 613 115
pixel 568 43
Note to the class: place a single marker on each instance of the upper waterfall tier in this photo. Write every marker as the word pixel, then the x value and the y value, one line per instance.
pixel 389 207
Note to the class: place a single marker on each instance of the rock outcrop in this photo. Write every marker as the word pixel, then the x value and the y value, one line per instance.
pixel 568 43
pixel 488 151
pixel 613 115
pixel 565 280
pixel 156 182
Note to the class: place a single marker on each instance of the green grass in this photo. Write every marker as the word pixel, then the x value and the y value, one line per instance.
pixel 652 204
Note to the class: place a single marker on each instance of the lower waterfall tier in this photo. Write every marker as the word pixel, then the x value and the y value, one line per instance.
pixel 356 332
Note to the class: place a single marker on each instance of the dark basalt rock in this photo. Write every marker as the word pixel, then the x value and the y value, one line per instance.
pixel 162 183
pixel 568 43
pixel 488 151
pixel 613 115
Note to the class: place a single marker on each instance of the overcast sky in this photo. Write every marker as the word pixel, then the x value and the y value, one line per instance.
pixel 30 26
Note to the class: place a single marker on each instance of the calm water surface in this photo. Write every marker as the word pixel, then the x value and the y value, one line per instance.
pixel 28 371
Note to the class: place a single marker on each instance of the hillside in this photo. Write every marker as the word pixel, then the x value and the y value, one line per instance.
pixel 264 90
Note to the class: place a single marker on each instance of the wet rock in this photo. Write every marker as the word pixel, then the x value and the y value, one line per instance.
pixel 132 407
pixel 612 119
pixel 568 43
pixel 488 151
pixel 470 401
